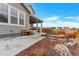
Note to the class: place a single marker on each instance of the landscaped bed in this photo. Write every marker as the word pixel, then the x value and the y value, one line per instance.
pixel 45 47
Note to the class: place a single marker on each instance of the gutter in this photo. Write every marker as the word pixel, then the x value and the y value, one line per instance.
pixel 32 9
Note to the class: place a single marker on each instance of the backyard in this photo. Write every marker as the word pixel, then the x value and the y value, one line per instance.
pixel 46 47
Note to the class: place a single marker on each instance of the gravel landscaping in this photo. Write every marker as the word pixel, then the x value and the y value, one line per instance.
pixel 46 46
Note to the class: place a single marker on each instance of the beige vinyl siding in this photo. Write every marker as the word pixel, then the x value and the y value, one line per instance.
pixel 7 29
pixel 20 7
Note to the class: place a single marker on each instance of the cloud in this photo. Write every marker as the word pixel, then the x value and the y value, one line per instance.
pixel 73 17
pixel 52 18
pixel 69 24
pixel 49 24
pixel 77 19
pixel 61 24
pixel 69 17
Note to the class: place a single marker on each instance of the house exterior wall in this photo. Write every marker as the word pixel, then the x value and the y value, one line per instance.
pixel 20 7
pixel 8 29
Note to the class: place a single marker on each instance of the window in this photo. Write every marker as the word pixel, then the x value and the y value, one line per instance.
pixel 21 18
pixel 11 15
pixel 3 13
pixel 14 16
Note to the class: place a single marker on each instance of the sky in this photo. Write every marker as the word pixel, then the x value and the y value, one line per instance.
pixel 57 14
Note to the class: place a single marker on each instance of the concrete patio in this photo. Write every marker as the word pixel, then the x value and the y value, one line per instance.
pixel 11 46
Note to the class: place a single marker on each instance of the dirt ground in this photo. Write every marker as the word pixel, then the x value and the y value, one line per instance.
pixel 45 47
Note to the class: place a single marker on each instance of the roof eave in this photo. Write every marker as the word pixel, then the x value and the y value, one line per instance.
pixel 26 8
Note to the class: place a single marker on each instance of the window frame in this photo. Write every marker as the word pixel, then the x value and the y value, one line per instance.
pixel 23 18
pixel 9 16
pixel 5 14
pixel 13 15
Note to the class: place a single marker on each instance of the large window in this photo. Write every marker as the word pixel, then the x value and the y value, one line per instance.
pixel 3 13
pixel 11 15
pixel 21 18
pixel 14 16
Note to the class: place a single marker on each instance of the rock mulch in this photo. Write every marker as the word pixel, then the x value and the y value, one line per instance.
pixel 45 47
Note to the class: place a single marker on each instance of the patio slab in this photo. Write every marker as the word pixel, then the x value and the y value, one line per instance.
pixel 12 46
